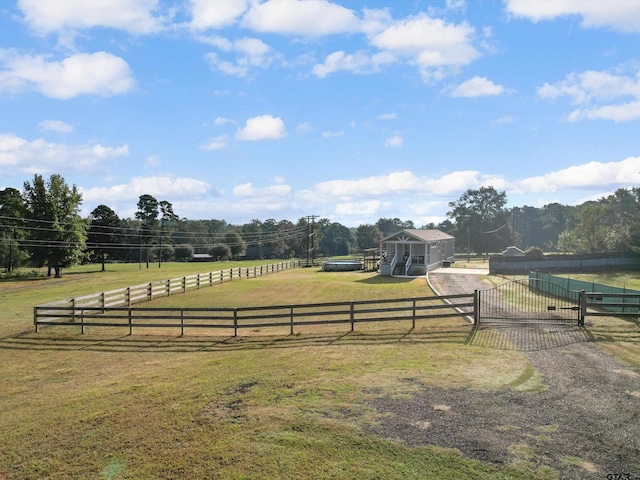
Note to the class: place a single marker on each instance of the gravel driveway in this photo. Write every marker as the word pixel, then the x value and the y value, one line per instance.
pixel 585 424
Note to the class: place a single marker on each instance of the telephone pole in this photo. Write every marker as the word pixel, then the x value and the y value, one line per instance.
pixel 310 235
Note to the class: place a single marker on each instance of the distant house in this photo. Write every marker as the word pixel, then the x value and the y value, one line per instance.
pixel 201 257
pixel 513 252
pixel 413 253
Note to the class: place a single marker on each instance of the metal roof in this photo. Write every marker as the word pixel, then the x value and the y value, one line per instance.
pixel 430 235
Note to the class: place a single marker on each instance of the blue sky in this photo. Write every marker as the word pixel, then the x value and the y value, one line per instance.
pixel 349 110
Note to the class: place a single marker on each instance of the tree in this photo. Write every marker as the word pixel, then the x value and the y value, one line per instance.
pixel 481 219
pixel 368 236
pixel 389 226
pixel 148 215
pixel 168 217
pixel 220 251
pixel 104 234
pixel 12 210
pixel 336 240
pixel 235 243
pixel 183 252
pixel 59 237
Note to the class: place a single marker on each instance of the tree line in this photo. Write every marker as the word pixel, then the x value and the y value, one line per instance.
pixel 41 226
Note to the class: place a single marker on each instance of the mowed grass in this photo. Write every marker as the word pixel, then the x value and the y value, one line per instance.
pixel 109 405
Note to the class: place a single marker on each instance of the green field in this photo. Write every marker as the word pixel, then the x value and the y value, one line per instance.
pixel 109 405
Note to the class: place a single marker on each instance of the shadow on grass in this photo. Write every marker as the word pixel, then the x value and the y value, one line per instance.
pixel 385 279
pixel 191 343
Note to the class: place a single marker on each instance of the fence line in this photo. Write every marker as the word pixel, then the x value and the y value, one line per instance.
pixel 160 288
pixel 236 318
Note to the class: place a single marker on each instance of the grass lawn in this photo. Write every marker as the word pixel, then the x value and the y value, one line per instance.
pixel 108 405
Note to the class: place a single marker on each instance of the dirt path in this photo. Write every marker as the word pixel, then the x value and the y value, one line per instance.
pixel 585 423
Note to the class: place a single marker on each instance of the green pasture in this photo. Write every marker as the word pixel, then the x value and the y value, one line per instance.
pixel 107 405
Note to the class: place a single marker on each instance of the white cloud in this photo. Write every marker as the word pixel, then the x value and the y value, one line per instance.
pixel 477 87
pixel 82 74
pixel 69 16
pixel 248 190
pixel 166 186
pixel 507 119
pixel 594 91
pixel 304 128
pixel 369 207
pixel 263 127
pixel 251 53
pixel 621 15
pixel 435 46
pixel 403 182
pixel 304 18
pixel 55 126
pixel 42 156
pixel 624 112
pixel 396 142
pixel 387 116
pixel 207 14
pixel 359 62
pixel 332 134
pixel 591 175
pixel 222 121
pixel 152 161
pixel 217 143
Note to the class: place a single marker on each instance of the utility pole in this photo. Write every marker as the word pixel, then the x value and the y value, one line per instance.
pixel 310 234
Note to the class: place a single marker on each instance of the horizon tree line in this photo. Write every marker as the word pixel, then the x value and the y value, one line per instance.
pixel 41 226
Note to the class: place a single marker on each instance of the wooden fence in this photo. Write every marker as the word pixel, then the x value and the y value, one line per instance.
pixel 146 292
pixel 233 319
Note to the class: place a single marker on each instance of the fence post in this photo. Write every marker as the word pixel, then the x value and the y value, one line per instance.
pixel 35 319
pixel 73 305
pixel 235 322
pixel 583 308
pixel 168 287
pixel 198 282
pixel 128 296
pixel 130 323
pixel 476 307
pixel 102 301
pixel 184 284
pixel 150 291
pixel 291 320
pixel 221 276
pixel 413 318
pixel 352 314
pixel 182 322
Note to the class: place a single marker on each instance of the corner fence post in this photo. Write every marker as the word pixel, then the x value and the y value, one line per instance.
pixel 583 308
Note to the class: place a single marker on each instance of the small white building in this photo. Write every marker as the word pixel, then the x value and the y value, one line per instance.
pixel 413 252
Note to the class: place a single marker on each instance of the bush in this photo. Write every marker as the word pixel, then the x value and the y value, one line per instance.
pixel 534 252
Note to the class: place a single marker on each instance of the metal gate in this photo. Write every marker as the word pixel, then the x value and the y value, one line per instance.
pixel 526 302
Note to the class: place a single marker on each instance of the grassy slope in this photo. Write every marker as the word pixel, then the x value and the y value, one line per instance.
pixel 264 406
